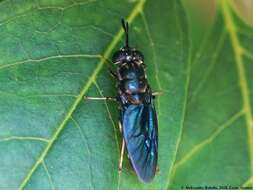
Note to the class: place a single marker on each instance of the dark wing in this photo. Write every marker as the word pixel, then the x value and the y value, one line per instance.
pixel 140 134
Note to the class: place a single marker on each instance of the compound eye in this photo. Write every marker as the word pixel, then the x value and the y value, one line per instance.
pixel 119 57
pixel 138 56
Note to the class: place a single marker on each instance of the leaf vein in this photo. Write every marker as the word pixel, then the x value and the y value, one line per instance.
pixel 114 127
pixel 248 182
pixel 243 84
pixel 83 136
pixel 198 147
pixel 13 138
pixel 186 89
pixel 49 58
pixel 247 53
pixel 48 176
pixel 136 10
pixel 154 58
pixel 210 67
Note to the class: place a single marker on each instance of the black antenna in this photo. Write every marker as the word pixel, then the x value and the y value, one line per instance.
pixel 125 27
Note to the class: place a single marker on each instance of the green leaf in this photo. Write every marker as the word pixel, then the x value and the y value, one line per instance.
pixel 216 147
pixel 55 52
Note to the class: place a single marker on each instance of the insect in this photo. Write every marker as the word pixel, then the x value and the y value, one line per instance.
pixel 138 120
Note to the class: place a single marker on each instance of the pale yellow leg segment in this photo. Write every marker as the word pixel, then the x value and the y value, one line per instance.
pixel 122 149
pixel 121 155
pixel 120 127
pixel 156 93
pixel 98 98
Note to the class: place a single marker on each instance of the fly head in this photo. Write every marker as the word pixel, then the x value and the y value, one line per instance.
pixel 127 54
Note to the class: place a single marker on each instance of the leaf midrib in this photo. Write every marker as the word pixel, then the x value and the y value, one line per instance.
pixel 136 10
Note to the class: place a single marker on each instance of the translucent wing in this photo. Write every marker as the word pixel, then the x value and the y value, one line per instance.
pixel 140 134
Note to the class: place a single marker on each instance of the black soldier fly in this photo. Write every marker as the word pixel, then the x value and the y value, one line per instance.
pixel 138 120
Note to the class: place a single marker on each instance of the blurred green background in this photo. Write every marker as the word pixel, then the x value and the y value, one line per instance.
pixel 201 15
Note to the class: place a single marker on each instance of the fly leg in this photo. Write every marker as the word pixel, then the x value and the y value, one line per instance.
pixel 157 169
pixel 121 155
pixel 122 149
pixel 154 94
pixel 120 127
pixel 114 75
pixel 99 98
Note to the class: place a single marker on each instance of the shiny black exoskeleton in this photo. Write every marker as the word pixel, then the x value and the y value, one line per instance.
pixel 138 116
pixel 132 86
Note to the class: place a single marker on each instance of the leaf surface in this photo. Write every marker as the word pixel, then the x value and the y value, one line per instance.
pixel 216 147
pixel 55 52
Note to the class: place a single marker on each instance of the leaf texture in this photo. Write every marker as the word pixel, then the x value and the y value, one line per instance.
pixel 216 147
pixel 55 52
